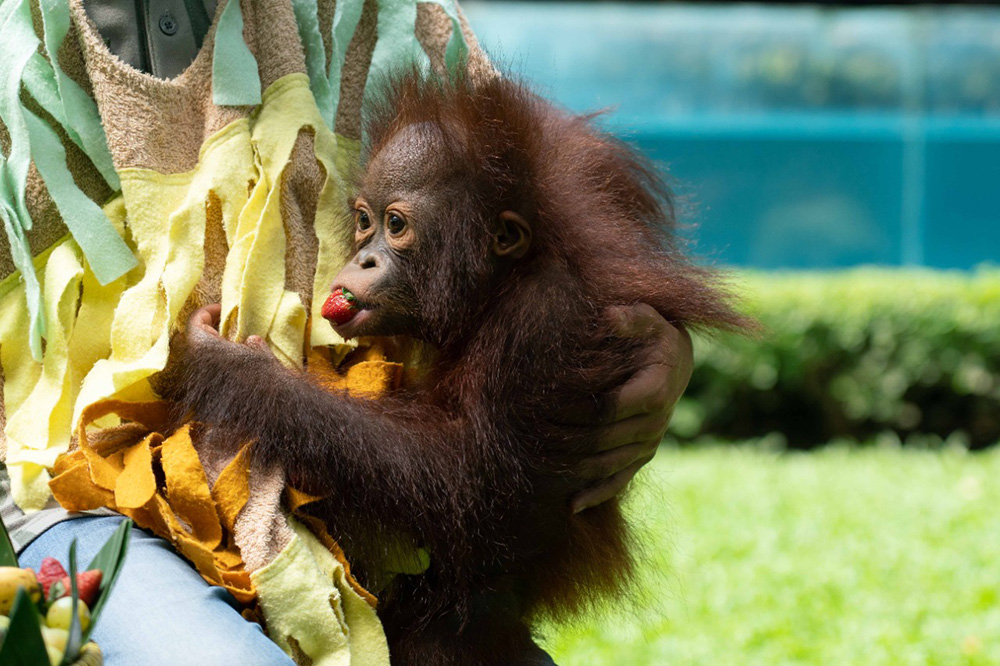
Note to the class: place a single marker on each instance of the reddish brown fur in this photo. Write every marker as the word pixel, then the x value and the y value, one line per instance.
pixel 476 464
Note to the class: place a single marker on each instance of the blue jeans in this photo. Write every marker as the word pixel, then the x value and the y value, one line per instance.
pixel 161 612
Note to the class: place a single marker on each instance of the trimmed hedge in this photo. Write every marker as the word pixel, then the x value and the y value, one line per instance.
pixel 913 354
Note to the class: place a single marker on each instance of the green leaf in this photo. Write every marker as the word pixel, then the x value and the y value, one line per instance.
pixel 8 557
pixel 75 639
pixel 56 591
pixel 24 644
pixel 109 560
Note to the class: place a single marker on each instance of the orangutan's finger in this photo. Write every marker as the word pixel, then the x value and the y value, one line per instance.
pixel 204 322
pixel 257 342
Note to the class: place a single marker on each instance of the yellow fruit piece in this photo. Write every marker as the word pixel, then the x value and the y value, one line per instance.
pixel 61 612
pixel 55 637
pixel 11 580
pixel 55 655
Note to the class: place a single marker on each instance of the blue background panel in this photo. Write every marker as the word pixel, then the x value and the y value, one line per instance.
pixel 963 201
pixel 792 203
pixel 801 137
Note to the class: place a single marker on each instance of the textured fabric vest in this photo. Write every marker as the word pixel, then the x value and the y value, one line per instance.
pixel 128 201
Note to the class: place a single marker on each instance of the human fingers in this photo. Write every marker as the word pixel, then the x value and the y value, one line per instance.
pixel 602 466
pixel 636 321
pixel 605 490
pixel 640 427
pixel 665 369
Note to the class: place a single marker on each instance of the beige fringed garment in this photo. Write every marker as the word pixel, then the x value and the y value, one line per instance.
pixel 230 204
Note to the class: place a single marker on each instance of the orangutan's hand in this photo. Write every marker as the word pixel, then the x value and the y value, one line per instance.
pixel 202 333
pixel 203 329
pixel 643 407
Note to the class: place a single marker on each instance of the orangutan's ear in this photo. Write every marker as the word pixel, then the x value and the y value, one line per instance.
pixel 513 236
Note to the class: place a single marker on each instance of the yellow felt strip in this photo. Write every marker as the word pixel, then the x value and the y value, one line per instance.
pixel 167 220
pixel 253 283
pixel 33 440
pixel 287 333
pixel 340 157
pixel 254 301
pixel 306 602
pixel 357 607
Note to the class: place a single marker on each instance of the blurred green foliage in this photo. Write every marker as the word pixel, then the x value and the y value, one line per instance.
pixel 905 355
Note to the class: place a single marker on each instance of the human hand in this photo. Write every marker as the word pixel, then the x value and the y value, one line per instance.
pixel 642 408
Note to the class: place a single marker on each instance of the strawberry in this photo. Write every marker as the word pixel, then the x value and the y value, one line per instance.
pixel 340 307
pixel 49 572
pixel 88 584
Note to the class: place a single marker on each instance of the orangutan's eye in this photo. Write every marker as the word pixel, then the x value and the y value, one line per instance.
pixel 364 222
pixel 396 225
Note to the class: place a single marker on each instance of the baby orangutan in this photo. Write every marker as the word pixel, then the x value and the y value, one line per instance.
pixel 499 230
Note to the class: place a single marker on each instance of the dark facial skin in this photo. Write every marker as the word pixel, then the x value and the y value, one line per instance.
pixel 408 188
pixel 405 185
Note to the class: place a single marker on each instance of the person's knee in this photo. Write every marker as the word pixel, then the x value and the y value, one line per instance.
pixel 160 612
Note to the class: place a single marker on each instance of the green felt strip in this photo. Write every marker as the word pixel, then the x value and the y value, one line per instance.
pixel 312 41
pixel 82 120
pixel 107 253
pixel 397 46
pixel 17 45
pixel 456 55
pixel 235 77
pixel 6 9
pixel 346 15
pixel 40 81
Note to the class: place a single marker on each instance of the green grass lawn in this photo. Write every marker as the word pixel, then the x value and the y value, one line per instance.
pixel 865 556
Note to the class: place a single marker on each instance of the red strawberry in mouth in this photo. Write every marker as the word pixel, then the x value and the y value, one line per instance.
pixel 340 307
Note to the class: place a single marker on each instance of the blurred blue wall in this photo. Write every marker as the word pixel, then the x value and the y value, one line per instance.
pixel 797 137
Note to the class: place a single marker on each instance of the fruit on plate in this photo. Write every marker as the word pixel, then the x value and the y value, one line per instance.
pixel 88 585
pixel 11 580
pixel 49 572
pixel 61 613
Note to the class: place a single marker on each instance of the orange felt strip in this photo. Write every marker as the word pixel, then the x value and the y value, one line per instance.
pixel 103 471
pixel 187 488
pixel 67 460
pixel 136 484
pixel 118 468
pixel 76 491
pixel 232 489
pixel 370 379
pixel 295 499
